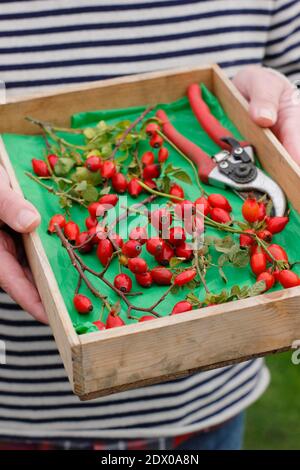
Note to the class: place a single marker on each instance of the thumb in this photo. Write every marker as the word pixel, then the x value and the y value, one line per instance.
pixel 263 88
pixel 15 211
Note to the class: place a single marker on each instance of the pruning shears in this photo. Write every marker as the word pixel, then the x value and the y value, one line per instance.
pixel 234 166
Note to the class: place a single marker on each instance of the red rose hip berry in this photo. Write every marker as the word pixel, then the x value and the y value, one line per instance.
pixel 163 154
pixel 268 279
pixel 123 283
pixel 177 191
pixel 134 187
pixel 220 201
pixel 84 243
pixel 104 251
pixel 132 248
pixel 156 141
pixel 161 276
pixel 71 231
pixel 220 215
pixel 119 183
pixel 181 307
pixel 151 171
pixel 93 163
pixel 52 159
pixel 137 265
pixel 288 278
pixel 40 167
pixel 108 169
pixel 250 210
pixel 276 224
pixel 185 277
pixel 82 304
pixel 258 263
pixel 57 219
pixel 148 158
pixel 144 279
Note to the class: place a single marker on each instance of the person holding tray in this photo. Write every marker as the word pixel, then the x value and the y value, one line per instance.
pixel 50 44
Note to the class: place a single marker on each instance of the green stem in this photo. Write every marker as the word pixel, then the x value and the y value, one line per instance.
pixel 53 128
pixel 186 158
pixel 159 193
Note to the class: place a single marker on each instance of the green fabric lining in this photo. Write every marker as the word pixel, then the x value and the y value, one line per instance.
pixel 22 148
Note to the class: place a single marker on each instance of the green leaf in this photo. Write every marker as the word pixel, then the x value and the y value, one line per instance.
pixel 83 174
pixel 240 258
pixel 165 184
pixel 257 288
pixel 182 176
pixel 90 194
pixel 193 299
pixel 175 290
pixel 63 166
pixel 81 186
pixel 89 133
pixel 105 190
pixel 175 261
pixel 223 275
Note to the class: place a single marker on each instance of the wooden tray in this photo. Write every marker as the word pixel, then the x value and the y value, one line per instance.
pixel 110 361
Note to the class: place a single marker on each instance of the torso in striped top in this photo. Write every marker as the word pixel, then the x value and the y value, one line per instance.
pixel 46 44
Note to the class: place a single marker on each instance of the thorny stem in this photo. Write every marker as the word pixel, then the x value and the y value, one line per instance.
pixel 43 124
pixel 124 214
pixel 128 130
pixel 53 191
pixel 81 267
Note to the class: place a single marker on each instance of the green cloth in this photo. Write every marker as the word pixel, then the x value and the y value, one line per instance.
pixel 22 148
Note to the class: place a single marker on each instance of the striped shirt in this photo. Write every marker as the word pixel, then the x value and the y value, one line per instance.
pixel 47 44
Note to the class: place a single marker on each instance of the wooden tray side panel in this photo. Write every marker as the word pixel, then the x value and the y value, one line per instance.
pixel 198 340
pixel 66 339
pixel 136 90
pixel 275 159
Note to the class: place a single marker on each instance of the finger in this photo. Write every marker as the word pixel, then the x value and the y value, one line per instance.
pixel 15 282
pixel 263 89
pixel 15 211
pixel 287 126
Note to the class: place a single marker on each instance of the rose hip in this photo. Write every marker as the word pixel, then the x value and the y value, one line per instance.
pixel 132 248
pixel 108 169
pixel 82 304
pixel 52 159
pixel 277 252
pixel 265 235
pixel 276 224
pixel 137 265
pixel 161 276
pixel 177 190
pixel 40 167
pixel 202 205
pixel 96 210
pixel 181 307
pixel 262 211
pixel 104 251
pixel 90 222
pixel 108 200
pixel 146 318
pixel 99 324
pixel 84 239
pixel 258 263
pixel 140 234
pixel 71 231
pixel 163 154
pixel 250 210
pixel 185 277
pixel 268 278
pixel 220 201
pixel 123 283
pixel 164 255
pixel 154 245
pixel 184 209
pixel 247 240
pixel 288 278
pixel 93 163
pixel 156 141
pixel 134 188
pixel 57 219
pixel 184 251
pixel 160 218
pixel 151 171
pixel 144 279
pixel 176 236
pixel 113 320
pixel 152 128
pixel 220 215
pixel 119 183
pixel 148 158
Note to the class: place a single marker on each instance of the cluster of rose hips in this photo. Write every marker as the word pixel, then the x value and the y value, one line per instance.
pixel 268 261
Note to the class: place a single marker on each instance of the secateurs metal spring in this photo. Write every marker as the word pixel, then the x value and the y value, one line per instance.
pixel 234 166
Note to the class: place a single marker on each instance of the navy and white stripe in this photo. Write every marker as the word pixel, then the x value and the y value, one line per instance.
pixel 46 44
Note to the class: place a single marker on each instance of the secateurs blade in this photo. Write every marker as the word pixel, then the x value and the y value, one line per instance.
pixel 234 166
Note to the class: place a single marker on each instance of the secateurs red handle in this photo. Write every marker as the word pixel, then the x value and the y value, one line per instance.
pixel 207 120
pixel 204 163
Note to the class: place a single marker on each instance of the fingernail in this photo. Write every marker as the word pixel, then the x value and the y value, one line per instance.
pixel 26 218
pixel 267 113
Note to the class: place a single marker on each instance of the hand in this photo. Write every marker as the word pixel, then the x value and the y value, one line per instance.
pixel 274 103
pixel 15 279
